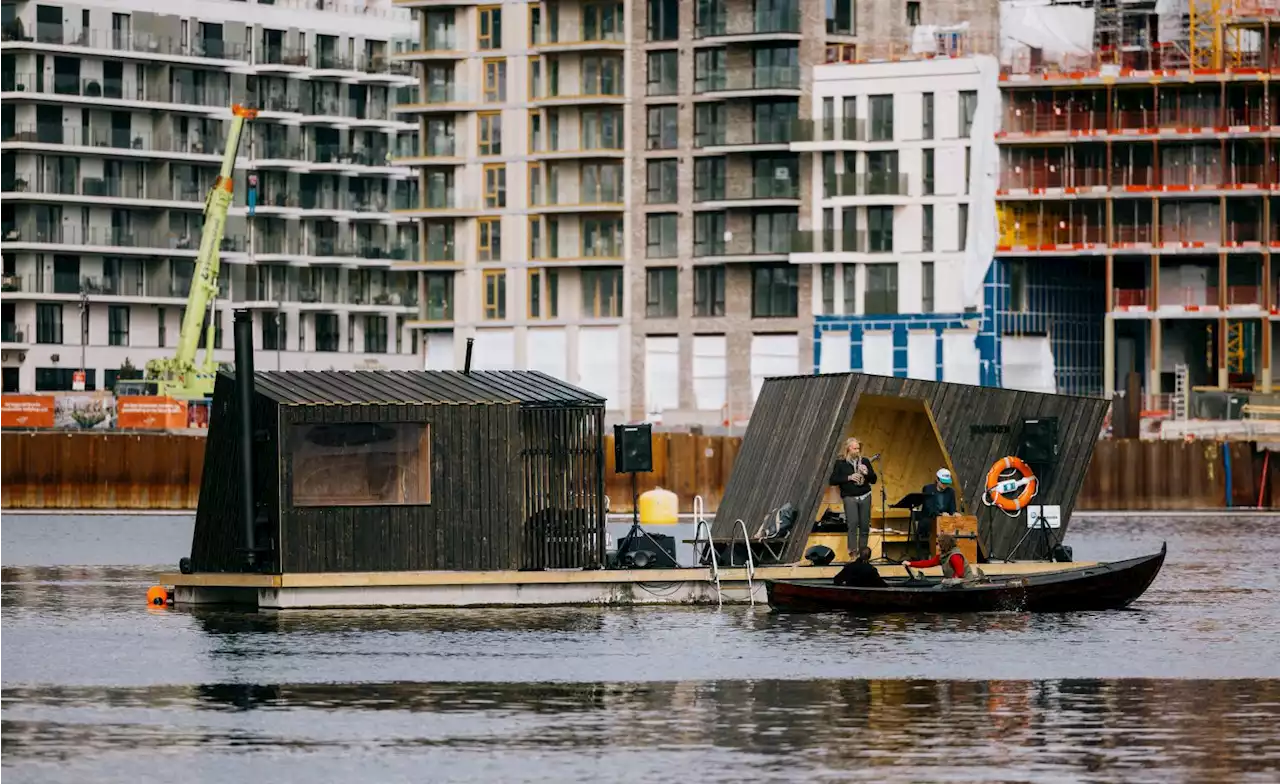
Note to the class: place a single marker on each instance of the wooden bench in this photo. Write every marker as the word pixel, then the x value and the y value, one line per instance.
pixel 1259 411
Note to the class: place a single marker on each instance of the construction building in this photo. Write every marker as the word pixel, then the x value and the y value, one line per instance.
pixel 114 124
pixel 1138 182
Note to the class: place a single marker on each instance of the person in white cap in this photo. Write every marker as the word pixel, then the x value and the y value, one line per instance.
pixel 939 499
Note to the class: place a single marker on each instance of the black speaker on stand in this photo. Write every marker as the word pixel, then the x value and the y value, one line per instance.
pixel 633 454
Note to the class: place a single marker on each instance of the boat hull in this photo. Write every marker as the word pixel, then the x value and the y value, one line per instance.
pixel 1107 586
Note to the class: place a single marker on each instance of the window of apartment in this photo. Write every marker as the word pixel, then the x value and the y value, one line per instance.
pixel 601 129
pixel 660 236
pixel 601 238
pixel 828 174
pixel 1018 281
pixel 708 234
pixel 963 228
pixel 968 167
pixel 771 232
pixel 926 170
pixel 882 290
pixel 663 73
pixel 535 77
pixel 926 228
pixel 48 323
pixel 709 70
pixel 600 183
pixel 439 241
pixel 489 34
pixel 828 289
pixel 880 115
pixel 326 332
pixel 489 239
pixel 63 379
pixel 603 21
pixel 840 16
pixel 664 20
pixel 161 332
pixel 375 334
pixel 495 295
pixel 709 18
pixel 776 66
pixel 535 24
pixel 775 291
pixel 913 12
pixel 926 287
pixel 440 31
pixel 708 291
pixel 544 293
pixel 708 124
pixel 439 291
pixel 601 76
pixel 708 179
pixel 774 121
pixel 495 185
pixel 882 173
pixel 118 325
pixel 880 229
pixel 602 292
pixel 926 116
pixel 662 128
pixel 968 108
pixel 660 181
pixel 850 287
pixel 275 332
pixel 661 292
pixel 495 81
pixel 439 138
pixel 490 133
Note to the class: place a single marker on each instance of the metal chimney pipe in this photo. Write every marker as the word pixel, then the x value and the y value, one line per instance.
pixel 466 365
pixel 244 397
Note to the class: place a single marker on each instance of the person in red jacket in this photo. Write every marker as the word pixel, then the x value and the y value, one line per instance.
pixel 953 563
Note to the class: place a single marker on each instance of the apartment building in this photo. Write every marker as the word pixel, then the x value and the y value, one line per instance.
pixel 114 124
pixel 1137 186
pixel 902 158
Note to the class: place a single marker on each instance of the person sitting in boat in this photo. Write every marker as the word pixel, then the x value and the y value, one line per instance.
pixel 855 476
pixel 860 573
pixel 939 499
pixel 955 567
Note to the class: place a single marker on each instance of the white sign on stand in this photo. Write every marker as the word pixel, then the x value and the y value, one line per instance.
pixel 1052 516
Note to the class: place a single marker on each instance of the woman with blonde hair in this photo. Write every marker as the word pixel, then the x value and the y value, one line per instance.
pixel 854 476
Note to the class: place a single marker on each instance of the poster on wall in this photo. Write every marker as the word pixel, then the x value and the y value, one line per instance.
pixel 152 413
pixel 26 410
pixel 84 412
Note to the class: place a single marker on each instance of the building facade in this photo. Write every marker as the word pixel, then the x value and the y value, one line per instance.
pixel 114 125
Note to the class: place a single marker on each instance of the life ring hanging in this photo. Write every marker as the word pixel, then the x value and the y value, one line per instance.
pixel 1013 494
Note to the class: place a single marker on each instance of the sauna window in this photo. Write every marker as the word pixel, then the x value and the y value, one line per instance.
pixel 361 464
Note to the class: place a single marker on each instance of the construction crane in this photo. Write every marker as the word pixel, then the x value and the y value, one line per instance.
pixel 179 376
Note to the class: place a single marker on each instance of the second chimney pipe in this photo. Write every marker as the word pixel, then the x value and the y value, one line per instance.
pixel 466 365
pixel 244 397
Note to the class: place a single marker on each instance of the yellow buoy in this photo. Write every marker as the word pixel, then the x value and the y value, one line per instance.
pixel 157 596
pixel 659 507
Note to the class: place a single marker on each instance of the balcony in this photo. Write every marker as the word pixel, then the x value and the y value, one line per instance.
pixel 780 79
pixel 439 98
pixel 810 241
pixel 114 140
pixel 345 155
pixel 126 286
pixel 574 38
pixel 285 57
pixel 868 184
pixel 601 200
pixel 771 22
pixel 748 192
pixel 746 135
pixel 139 43
pixel 15 334
pixel 102 187
pixel 830 129
pixel 164 243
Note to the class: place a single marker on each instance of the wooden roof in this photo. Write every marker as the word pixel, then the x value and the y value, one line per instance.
pixel 799 423
pixel 409 387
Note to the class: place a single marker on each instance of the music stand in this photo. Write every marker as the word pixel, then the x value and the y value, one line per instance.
pixel 911 502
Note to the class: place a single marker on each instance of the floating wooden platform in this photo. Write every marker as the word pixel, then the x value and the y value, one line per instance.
pixel 509 588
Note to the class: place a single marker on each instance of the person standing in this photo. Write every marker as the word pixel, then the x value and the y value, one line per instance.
pixel 854 476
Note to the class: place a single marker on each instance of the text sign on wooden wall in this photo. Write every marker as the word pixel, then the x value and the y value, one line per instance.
pixel 982 430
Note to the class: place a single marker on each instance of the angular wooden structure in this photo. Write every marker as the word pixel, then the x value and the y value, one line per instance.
pixel 372 471
pixel 799 425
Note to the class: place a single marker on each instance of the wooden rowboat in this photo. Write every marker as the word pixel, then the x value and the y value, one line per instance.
pixel 1108 586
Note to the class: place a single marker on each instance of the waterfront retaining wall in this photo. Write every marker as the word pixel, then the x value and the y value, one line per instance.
pixel 59 470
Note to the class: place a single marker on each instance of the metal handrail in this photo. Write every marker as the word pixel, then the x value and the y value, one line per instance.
pixel 751 562
pixel 715 565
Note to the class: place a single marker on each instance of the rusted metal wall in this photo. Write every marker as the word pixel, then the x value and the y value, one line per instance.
pixel 53 470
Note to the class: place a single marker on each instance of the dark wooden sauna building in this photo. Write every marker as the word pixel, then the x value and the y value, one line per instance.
pixel 799 426
pixel 366 471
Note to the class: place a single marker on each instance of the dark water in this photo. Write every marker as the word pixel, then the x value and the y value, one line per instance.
pixel 97 687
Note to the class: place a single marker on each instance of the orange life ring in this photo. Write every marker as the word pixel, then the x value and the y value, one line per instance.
pixel 1001 492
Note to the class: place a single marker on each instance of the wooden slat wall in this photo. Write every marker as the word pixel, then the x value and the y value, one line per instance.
pixel 686 464
pixel 798 422
pixel 473 520
pixel 563 491
pixel 795 432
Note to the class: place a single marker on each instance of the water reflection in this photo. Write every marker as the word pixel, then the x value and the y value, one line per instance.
pixel 903 730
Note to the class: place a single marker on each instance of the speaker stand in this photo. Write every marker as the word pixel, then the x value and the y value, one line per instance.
pixel 628 541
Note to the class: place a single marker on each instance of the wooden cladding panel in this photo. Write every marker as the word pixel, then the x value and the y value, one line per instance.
pixel 799 423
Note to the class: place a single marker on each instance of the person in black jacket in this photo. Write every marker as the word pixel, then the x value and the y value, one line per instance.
pixel 860 573
pixel 855 476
